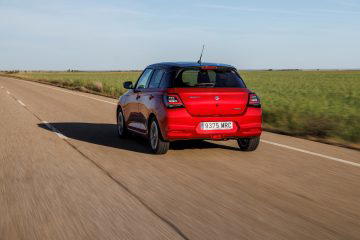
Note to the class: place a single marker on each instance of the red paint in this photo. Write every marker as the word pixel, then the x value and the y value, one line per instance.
pixel 180 109
pixel 196 105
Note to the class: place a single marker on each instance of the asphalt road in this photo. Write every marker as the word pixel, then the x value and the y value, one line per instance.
pixel 64 174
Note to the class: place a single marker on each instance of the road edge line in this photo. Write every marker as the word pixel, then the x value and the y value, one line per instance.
pixel 312 153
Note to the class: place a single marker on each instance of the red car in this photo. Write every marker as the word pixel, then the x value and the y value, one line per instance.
pixel 187 101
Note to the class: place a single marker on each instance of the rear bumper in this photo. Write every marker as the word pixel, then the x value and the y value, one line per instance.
pixel 180 125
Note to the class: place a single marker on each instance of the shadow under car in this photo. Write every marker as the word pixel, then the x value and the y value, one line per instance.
pixel 105 134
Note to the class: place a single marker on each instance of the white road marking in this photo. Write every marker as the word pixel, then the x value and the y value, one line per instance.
pixel 60 135
pixel 70 92
pixel 21 103
pixel 312 153
pixel 264 141
pixel 57 132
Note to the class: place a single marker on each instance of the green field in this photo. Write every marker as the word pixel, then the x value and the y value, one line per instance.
pixel 316 104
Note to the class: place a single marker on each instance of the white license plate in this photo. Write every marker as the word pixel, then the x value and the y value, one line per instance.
pixel 216 125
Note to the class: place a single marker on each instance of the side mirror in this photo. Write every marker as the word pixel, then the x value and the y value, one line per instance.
pixel 128 85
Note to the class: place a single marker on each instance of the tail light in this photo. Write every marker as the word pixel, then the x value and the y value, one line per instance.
pixel 173 101
pixel 254 100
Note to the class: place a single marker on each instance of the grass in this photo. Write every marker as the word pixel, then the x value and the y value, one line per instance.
pixel 106 83
pixel 321 104
pixel 317 104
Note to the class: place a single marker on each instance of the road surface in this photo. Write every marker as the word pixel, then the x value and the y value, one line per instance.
pixel 64 174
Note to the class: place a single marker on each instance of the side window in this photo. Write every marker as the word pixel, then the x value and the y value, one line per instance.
pixel 167 79
pixel 144 79
pixel 156 79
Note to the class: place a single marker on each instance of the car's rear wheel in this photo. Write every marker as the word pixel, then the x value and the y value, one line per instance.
pixel 121 128
pixel 248 144
pixel 157 144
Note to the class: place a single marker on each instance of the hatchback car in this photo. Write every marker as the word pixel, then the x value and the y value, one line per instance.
pixel 187 101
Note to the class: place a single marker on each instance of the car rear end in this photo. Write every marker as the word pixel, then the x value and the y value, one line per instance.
pixel 210 102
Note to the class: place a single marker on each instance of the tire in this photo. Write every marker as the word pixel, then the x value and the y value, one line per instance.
pixel 248 144
pixel 157 144
pixel 121 128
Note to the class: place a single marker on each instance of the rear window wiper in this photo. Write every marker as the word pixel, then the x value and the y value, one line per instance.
pixel 205 85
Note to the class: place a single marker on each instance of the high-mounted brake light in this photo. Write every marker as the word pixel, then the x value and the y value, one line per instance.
pixel 254 100
pixel 173 101
pixel 209 67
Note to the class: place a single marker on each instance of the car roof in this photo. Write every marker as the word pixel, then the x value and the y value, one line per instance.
pixel 186 65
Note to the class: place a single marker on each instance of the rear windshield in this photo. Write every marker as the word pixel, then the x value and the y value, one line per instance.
pixel 200 78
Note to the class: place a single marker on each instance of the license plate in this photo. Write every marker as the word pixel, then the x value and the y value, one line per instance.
pixel 216 125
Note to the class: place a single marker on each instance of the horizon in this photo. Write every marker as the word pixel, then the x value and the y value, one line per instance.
pixel 141 69
pixel 106 35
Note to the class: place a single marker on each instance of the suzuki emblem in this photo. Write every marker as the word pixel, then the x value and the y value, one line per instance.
pixel 217 98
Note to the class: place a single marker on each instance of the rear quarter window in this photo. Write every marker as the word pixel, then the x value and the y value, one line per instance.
pixel 167 79
pixel 156 79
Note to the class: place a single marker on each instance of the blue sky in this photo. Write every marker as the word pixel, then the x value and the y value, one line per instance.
pixel 109 34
